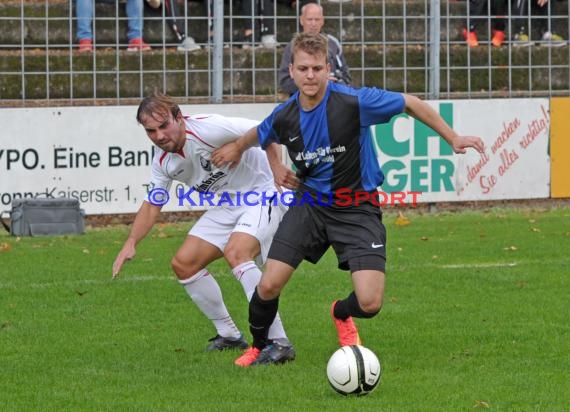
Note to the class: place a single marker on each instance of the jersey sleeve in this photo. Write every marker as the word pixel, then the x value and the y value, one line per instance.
pixel 158 178
pixel 265 131
pixel 378 105
pixel 216 130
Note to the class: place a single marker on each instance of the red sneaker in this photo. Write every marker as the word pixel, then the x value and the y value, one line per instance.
pixel 138 45
pixel 346 330
pixel 248 357
pixel 85 45
pixel 471 38
pixel 498 38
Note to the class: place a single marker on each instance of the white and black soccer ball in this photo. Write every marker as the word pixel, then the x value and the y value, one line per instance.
pixel 354 370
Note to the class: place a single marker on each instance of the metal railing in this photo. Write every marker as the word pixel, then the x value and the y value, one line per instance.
pixel 413 46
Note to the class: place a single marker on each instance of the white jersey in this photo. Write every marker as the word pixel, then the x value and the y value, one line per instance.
pixel 192 166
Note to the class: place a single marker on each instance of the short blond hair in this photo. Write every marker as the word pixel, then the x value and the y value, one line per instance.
pixel 313 44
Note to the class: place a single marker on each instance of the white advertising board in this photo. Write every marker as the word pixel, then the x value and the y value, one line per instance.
pixel 101 156
pixel 515 165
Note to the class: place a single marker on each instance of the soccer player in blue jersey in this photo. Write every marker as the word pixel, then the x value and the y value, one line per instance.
pixel 325 127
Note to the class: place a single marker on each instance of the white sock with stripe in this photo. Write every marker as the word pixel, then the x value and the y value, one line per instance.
pixel 207 295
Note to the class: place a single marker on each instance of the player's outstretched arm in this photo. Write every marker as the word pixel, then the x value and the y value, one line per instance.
pixel 144 221
pixel 230 153
pixel 426 114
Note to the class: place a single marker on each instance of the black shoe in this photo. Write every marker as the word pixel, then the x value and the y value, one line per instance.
pixel 220 343
pixel 275 354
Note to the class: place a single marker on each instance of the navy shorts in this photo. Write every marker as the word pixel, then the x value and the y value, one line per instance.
pixel 356 234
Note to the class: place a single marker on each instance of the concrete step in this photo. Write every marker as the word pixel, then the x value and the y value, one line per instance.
pixel 97 76
pixel 354 22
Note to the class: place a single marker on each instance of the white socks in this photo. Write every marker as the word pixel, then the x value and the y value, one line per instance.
pixel 248 275
pixel 207 295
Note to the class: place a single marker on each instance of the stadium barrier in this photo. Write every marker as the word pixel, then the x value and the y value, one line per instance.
pixel 413 46
pixel 75 152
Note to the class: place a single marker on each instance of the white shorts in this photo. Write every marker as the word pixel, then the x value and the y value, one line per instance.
pixel 260 221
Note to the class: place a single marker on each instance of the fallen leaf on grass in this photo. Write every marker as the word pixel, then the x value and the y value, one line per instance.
pixel 5 247
pixel 402 220
pixel 512 248
pixel 534 229
pixel 481 404
pixel 424 238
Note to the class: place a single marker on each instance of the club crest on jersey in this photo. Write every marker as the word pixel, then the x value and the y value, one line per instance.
pixel 206 164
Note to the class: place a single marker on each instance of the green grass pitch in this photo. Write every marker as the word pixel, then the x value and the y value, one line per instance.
pixel 476 316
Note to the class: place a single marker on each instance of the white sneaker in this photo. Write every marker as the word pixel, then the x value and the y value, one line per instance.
pixel 522 40
pixel 268 41
pixel 552 40
pixel 188 45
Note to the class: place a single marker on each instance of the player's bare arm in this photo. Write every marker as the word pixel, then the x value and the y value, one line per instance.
pixel 425 113
pixel 230 153
pixel 283 176
pixel 144 221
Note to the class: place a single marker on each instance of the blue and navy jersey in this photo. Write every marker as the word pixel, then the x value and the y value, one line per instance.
pixel 331 145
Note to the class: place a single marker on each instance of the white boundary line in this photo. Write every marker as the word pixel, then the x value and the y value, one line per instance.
pixel 479 265
pixel 81 282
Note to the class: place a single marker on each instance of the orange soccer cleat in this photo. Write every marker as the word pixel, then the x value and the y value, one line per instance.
pixel 249 356
pixel 346 330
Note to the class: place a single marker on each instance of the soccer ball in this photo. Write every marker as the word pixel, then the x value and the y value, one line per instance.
pixel 354 370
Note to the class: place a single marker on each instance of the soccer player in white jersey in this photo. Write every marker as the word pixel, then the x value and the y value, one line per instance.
pixel 241 233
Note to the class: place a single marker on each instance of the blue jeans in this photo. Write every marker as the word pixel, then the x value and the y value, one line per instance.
pixel 84 11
